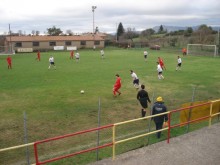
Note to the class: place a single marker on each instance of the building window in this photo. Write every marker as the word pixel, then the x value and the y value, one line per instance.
pixel 36 44
pixel 68 43
pixel 52 43
pixel 18 44
pixel 83 42
pixel 96 42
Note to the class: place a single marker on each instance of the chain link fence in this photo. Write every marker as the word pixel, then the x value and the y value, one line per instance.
pixel 25 128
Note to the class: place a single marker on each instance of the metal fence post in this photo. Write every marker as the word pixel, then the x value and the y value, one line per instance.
pixel 98 133
pixel 26 139
pixel 190 110
pixel 149 120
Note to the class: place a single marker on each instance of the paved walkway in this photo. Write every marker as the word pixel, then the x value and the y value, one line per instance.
pixel 201 147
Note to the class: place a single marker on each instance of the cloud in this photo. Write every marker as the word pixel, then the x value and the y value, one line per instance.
pixel 77 16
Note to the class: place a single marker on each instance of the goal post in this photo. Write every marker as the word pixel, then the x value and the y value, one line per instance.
pixel 202 49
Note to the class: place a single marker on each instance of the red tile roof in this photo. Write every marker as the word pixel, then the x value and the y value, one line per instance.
pixel 52 38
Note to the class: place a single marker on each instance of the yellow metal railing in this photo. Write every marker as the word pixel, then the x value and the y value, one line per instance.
pixel 135 137
pixel 211 109
pixel 114 126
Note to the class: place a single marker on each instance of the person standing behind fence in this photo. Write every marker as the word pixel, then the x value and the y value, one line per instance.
pixel 144 99
pixel 9 61
pixel 179 63
pixel 145 55
pixel 158 108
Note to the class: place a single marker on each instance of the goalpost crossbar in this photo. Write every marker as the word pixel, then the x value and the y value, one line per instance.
pixel 202 46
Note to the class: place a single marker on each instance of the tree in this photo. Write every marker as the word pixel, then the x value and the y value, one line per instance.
pixel 173 41
pixel 147 32
pixel 203 34
pixel 130 34
pixel 188 32
pixel 69 32
pixel 37 32
pixel 54 31
pixel 120 30
pixel 161 30
pixel 20 32
pixel 33 32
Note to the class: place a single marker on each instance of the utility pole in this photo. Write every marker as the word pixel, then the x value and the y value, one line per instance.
pixel 93 11
pixel 218 43
pixel 10 44
pixel 116 34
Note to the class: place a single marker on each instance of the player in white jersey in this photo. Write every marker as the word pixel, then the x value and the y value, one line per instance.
pixel 135 79
pixel 51 62
pixel 160 71
pixel 145 55
pixel 179 63
pixel 102 53
pixel 77 56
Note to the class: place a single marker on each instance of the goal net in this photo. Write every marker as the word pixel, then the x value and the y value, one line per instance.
pixel 201 49
pixel 137 45
pixel 6 50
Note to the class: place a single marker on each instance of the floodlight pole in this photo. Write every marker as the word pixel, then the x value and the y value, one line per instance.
pixel 218 43
pixel 10 45
pixel 93 11
pixel 116 34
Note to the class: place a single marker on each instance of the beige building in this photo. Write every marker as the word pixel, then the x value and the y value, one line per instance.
pixel 44 43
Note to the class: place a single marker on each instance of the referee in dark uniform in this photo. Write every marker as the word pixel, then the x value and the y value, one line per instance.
pixel 143 98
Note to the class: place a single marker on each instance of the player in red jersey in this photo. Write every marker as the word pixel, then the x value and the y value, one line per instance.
pixel 71 54
pixel 184 51
pixel 160 60
pixel 117 85
pixel 9 61
pixel 38 55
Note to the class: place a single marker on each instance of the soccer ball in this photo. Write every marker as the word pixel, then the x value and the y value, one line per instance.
pixel 82 91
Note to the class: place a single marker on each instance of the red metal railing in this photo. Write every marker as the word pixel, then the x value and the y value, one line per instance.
pixel 113 143
pixel 65 136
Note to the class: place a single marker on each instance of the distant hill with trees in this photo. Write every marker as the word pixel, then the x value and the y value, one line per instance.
pixel 165 36
pixel 177 28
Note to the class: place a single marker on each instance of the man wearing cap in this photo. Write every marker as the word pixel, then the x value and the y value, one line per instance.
pixel 143 98
pixel 158 108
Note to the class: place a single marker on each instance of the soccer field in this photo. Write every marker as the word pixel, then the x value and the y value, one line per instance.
pixel 54 105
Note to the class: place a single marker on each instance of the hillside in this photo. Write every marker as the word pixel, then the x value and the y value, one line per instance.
pixel 177 28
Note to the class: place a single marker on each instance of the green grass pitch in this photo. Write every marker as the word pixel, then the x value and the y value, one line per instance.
pixel 54 105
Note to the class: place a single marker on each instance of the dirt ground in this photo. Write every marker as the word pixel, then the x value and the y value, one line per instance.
pixel 201 147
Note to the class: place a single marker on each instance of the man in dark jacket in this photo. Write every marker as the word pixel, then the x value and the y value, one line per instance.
pixel 143 98
pixel 158 108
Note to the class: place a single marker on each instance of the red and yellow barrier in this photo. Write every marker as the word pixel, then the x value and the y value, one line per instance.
pixel 189 113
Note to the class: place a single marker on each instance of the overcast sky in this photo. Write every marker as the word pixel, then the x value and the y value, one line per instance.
pixel 77 15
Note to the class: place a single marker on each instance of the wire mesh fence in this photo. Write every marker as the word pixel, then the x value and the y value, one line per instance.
pixel 25 129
